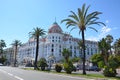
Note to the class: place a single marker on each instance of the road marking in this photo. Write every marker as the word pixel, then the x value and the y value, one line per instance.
pixel 18 78
pixel 12 75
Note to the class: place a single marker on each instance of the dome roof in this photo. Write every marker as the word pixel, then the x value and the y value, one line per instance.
pixel 55 28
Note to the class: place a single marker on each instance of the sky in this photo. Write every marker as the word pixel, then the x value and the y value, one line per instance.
pixel 19 17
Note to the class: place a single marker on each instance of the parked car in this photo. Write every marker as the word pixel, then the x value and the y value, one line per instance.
pixel 94 68
pixel 29 65
pixel 1 64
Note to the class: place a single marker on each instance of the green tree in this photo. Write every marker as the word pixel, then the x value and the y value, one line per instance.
pixel 66 53
pixel 109 39
pixel 68 66
pixel 15 45
pixel 3 59
pixel 96 59
pixel 117 47
pixel 75 59
pixel 2 45
pixel 114 63
pixel 104 47
pixel 83 20
pixel 42 63
pixel 37 32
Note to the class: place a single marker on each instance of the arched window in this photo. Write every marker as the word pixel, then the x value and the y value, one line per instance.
pixel 52 45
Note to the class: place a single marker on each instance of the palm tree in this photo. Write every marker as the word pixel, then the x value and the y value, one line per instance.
pixel 66 53
pixel 109 39
pixel 37 32
pixel 117 46
pixel 16 44
pixel 104 47
pixel 2 45
pixel 83 20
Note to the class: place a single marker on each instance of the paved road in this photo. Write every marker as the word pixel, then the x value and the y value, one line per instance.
pixel 10 73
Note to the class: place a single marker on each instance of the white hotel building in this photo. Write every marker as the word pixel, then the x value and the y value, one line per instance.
pixel 51 46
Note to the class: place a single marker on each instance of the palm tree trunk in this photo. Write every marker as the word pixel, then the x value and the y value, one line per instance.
pixel 15 56
pixel 110 50
pixel 84 56
pixel 37 49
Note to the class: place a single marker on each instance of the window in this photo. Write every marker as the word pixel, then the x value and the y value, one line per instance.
pixel 74 47
pixel 53 37
pixel 52 40
pixel 60 46
pixel 74 51
pixel 60 50
pixel 70 47
pixel 87 51
pixel 52 45
pixel 95 50
pixel 91 51
pixel 59 54
pixel 52 50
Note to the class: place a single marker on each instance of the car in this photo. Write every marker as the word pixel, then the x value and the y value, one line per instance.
pixel 29 65
pixel 1 64
pixel 94 68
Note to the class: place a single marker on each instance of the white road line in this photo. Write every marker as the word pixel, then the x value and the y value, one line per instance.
pixel 18 78
pixel 12 75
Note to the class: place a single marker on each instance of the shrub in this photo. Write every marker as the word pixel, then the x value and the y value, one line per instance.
pixel 75 59
pixel 109 72
pixel 2 59
pixel 68 67
pixel 42 63
pixel 58 67
pixel 74 69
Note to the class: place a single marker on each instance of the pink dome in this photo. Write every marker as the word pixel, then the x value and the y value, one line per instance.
pixel 55 28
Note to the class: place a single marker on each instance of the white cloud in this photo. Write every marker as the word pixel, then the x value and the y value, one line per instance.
pixel 107 21
pixel 92 38
pixel 103 32
pixel 105 29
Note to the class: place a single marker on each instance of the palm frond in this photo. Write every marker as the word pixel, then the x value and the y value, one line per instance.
pixel 86 11
pixel 73 28
pixel 70 25
pixel 92 16
pixel 74 16
pixel 93 28
pixel 80 14
pixel 97 23
pixel 37 32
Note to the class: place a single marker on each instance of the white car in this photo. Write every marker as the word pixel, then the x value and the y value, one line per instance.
pixel 1 64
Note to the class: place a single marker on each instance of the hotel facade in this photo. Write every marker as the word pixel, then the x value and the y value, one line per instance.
pixel 52 45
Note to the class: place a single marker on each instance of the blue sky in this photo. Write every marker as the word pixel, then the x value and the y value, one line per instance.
pixel 19 17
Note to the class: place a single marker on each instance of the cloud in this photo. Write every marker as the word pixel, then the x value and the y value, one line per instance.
pixel 105 29
pixel 92 38
pixel 103 32
pixel 107 21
